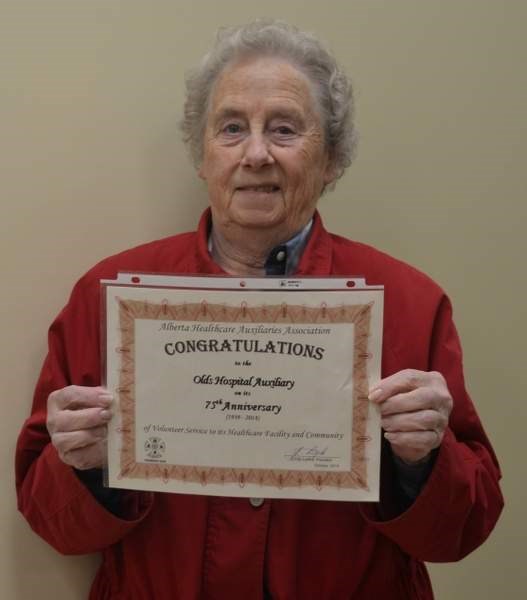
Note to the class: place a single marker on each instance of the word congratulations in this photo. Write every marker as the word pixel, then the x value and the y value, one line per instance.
pixel 247 346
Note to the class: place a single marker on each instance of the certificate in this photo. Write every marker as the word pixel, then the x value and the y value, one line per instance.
pixel 243 387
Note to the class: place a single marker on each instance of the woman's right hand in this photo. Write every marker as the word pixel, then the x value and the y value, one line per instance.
pixel 77 424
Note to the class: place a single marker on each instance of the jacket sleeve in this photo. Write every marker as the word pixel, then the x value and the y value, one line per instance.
pixel 460 503
pixel 57 505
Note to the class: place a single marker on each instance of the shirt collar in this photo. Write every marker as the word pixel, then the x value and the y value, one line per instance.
pixel 284 258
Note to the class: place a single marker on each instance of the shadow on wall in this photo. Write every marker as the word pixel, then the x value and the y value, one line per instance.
pixel 177 193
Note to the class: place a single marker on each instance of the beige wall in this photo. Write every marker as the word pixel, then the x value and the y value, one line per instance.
pixel 91 163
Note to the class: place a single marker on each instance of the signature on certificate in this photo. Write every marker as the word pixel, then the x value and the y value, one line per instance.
pixel 310 454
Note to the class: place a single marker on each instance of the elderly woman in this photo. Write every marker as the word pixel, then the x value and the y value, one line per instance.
pixel 268 121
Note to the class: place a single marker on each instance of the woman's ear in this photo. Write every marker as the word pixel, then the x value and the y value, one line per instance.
pixel 330 173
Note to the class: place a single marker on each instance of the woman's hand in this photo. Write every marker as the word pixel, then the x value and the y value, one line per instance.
pixel 414 407
pixel 77 424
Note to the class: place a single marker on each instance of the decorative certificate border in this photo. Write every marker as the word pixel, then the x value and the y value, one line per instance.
pixel 357 314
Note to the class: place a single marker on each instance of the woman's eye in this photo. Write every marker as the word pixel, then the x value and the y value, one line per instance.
pixel 284 130
pixel 232 128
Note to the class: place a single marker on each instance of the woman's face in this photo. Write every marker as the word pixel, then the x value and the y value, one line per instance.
pixel 265 160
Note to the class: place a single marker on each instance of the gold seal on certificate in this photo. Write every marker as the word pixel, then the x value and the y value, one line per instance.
pixel 244 387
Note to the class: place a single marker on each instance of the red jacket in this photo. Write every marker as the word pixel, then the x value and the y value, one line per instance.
pixel 175 546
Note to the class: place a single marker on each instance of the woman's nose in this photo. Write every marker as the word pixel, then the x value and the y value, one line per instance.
pixel 256 152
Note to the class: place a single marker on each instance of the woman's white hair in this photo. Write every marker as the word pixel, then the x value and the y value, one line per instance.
pixel 333 91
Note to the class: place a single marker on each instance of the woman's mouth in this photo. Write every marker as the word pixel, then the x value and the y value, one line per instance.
pixel 264 188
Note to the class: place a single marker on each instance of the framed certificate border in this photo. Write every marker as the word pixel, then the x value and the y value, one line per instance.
pixel 363 311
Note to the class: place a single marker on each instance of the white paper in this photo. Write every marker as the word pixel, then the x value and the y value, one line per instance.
pixel 244 387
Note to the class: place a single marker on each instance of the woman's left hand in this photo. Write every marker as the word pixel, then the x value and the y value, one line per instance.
pixel 414 407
